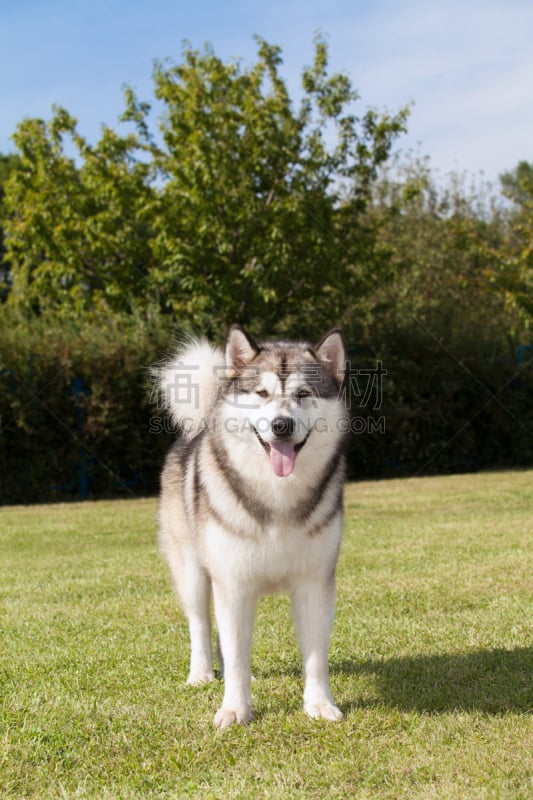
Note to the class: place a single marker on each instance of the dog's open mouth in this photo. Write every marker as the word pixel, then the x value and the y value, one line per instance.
pixel 282 453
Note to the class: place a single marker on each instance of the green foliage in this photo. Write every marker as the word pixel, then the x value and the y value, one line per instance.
pixel 455 408
pixel 517 275
pixel 443 242
pixel 240 208
pixel 518 184
pixel 51 429
pixel 446 331
pixel 7 165
pixel 244 206
pixel 252 226
pixel 78 237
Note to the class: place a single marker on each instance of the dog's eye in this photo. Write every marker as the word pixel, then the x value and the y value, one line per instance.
pixel 303 392
pixel 261 392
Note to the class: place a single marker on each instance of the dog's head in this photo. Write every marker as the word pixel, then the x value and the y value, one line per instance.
pixel 283 393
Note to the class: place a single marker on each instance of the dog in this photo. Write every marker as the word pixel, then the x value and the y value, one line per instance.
pixel 252 501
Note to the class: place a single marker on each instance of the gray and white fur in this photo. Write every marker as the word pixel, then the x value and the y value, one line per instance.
pixel 251 501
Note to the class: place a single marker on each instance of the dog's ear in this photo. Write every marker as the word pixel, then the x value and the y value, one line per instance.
pixel 331 352
pixel 240 349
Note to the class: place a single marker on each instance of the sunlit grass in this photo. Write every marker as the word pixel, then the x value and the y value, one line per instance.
pixel 431 657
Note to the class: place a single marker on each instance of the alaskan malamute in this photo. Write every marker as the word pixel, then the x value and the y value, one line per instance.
pixel 251 501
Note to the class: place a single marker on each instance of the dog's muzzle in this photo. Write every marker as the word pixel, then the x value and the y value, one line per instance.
pixel 282 451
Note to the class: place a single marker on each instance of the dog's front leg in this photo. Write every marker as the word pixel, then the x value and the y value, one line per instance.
pixel 313 609
pixel 234 612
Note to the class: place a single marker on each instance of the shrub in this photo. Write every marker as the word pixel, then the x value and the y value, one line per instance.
pixel 75 410
pixel 76 417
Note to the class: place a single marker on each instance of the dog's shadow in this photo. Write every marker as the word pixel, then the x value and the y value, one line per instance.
pixel 491 681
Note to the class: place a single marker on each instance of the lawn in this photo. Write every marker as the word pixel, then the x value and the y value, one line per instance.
pixel 431 657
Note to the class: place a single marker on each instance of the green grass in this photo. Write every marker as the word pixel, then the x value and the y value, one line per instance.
pixel 431 657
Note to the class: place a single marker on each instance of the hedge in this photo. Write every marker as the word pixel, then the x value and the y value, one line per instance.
pixel 447 409
pixel 76 417
pixel 75 410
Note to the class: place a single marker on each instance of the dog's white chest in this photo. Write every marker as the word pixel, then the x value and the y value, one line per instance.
pixel 275 561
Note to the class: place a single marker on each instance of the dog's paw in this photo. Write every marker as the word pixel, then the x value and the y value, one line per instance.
pixel 324 711
pixel 228 716
pixel 200 677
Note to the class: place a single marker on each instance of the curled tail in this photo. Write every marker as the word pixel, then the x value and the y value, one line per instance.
pixel 188 384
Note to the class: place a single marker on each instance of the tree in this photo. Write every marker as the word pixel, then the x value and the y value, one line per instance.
pixel 447 247
pixel 241 207
pixel 78 237
pixel 8 163
pixel 518 184
pixel 254 222
pixel 516 277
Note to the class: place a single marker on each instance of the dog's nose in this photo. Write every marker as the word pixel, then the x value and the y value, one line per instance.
pixel 283 427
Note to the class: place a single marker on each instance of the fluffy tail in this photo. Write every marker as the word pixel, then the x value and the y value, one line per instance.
pixel 188 384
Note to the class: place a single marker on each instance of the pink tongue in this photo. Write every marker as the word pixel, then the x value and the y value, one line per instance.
pixel 282 458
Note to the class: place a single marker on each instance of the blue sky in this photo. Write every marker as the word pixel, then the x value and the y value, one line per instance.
pixel 467 66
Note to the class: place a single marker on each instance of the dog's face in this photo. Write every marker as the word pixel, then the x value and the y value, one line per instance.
pixel 280 394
